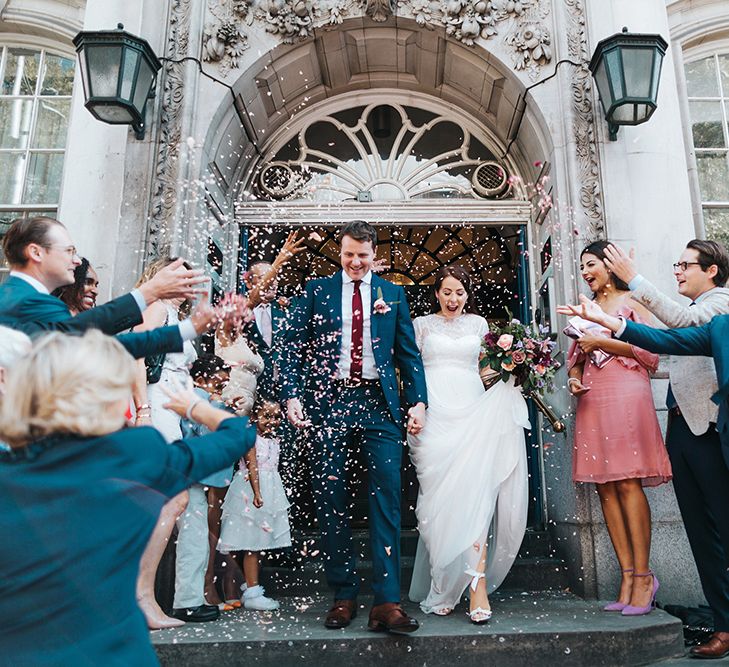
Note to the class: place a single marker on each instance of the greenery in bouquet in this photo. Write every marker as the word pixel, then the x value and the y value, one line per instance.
pixel 522 352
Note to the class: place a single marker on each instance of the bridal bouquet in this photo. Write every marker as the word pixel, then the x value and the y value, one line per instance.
pixel 519 351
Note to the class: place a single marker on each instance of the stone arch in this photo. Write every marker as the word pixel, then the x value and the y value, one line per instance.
pixel 290 80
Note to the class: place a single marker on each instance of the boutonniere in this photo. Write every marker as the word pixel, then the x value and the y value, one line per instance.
pixel 380 306
pixel 283 302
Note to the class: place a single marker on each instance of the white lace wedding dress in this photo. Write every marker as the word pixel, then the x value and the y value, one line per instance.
pixel 471 463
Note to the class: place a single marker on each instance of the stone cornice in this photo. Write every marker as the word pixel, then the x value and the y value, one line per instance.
pixel 45 17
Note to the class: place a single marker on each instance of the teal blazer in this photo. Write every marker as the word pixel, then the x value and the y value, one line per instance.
pixel 708 340
pixel 24 308
pixel 313 342
pixel 75 515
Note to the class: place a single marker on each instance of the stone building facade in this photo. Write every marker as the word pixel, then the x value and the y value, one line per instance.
pixel 468 129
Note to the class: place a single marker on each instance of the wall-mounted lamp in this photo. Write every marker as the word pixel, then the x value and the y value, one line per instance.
pixel 118 71
pixel 627 69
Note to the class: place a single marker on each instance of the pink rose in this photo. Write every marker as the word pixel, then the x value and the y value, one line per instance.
pixel 518 356
pixel 381 307
pixel 505 341
pixel 508 367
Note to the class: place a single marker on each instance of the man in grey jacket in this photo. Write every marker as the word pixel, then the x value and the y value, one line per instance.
pixel 700 474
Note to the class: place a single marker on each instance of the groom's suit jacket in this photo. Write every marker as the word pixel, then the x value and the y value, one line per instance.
pixel 313 345
pixel 710 340
pixel 24 308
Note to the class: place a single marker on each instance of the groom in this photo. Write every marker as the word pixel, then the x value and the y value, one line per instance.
pixel 348 336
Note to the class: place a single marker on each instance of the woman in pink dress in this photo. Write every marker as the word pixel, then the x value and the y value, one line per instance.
pixel 618 443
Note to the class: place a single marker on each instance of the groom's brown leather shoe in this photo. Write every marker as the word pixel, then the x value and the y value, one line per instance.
pixel 390 617
pixel 341 614
pixel 716 647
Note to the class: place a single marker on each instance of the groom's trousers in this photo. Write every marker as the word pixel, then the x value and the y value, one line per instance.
pixel 359 419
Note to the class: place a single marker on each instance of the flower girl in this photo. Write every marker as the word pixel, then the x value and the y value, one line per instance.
pixel 255 511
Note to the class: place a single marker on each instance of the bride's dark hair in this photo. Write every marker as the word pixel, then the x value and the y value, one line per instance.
pixel 463 277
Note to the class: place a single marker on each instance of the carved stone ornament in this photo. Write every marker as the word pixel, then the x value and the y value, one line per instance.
pixel 465 20
pixel 166 168
pixel 588 159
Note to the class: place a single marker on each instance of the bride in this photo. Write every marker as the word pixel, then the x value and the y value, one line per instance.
pixel 470 460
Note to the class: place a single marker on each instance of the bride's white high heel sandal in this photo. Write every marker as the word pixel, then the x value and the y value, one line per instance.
pixel 479 615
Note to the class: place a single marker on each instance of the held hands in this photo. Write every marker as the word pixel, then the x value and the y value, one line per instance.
pixel 416 418
pixel 295 413
pixel 621 263
pixel 173 282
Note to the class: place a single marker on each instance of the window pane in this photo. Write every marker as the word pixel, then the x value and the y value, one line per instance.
pixel 706 124
pixel 21 72
pixel 6 217
pixel 12 166
pixel 724 72
pixel 713 176
pixel 15 119
pixel 52 123
pixel 701 78
pixel 716 223
pixel 43 182
pixel 57 75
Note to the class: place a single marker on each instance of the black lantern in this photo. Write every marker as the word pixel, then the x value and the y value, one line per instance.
pixel 118 72
pixel 627 69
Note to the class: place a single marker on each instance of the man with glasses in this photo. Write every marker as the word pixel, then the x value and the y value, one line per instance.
pixel 700 473
pixel 42 257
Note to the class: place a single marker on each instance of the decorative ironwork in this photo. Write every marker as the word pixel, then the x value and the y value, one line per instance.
pixel 379 152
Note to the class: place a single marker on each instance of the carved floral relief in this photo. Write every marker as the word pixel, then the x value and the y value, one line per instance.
pixel 523 22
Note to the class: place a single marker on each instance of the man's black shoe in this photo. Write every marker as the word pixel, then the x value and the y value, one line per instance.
pixel 201 614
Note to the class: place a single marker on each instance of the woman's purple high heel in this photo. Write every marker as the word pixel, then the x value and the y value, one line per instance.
pixel 617 606
pixel 640 611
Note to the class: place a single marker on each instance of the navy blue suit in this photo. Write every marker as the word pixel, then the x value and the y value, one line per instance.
pixel 700 462
pixel 368 416
pixel 76 514
pixel 24 308
pixel 709 340
pixel 269 381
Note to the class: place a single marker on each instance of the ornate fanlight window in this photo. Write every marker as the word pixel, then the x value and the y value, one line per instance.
pixel 383 152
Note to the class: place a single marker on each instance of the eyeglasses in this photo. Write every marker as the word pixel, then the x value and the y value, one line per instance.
pixel 684 265
pixel 70 250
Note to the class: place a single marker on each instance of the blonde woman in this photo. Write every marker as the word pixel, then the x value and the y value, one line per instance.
pixel 81 495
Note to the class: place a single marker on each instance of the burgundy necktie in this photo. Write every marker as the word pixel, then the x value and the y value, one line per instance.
pixel 355 369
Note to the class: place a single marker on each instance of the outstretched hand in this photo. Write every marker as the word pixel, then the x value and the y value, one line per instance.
pixel 587 309
pixel 174 281
pixel 293 246
pixel 620 262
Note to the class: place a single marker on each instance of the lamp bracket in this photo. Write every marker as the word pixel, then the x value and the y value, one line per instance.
pixel 613 131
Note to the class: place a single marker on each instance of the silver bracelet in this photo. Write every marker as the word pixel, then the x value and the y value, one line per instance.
pixel 190 408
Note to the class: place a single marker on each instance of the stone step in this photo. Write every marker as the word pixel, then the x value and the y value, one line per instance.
pixel 527 574
pixel 552 628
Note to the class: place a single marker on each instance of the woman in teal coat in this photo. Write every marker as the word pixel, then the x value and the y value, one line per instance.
pixel 80 497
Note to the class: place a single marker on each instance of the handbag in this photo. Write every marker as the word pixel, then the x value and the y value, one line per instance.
pixel 578 327
pixel 154 363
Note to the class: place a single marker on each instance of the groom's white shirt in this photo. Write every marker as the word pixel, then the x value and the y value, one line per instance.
pixel 369 368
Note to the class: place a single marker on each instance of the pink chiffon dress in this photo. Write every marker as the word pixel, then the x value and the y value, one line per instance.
pixel 617 435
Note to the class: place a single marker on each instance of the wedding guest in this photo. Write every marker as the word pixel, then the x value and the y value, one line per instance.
pixel 192 549
pixel 249 352
pixel 42 258
pixel 618 444
pixel 700 477
pixel 67 590
pixel 255 511
pixel 210 375
pixel 470 459
pixel 82 294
